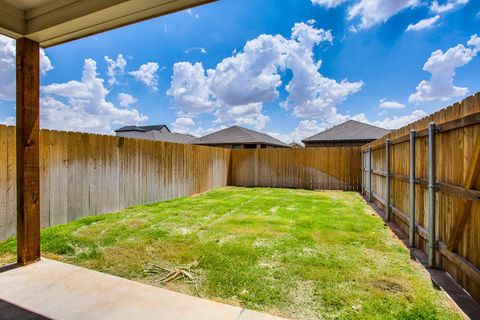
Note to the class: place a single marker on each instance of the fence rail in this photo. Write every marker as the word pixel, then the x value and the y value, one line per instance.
pixel 434 197
pixel 334 168
pixel 87 174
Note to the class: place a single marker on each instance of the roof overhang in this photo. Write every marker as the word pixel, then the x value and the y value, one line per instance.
pixel 51 22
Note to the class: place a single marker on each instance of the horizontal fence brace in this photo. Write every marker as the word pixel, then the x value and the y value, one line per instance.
pixel 435 186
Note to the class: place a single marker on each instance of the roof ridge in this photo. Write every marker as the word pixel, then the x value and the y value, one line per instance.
pixel 246 131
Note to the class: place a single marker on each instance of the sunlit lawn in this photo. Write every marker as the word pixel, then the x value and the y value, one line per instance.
pixel 294 253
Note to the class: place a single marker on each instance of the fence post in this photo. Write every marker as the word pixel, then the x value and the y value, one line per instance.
pixel 370 174
pixel 431 195
pixel 413 222
pixel 387 179
pixel 363 171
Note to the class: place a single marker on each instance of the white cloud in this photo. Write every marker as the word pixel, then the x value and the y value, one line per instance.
pixel 190 89
pixel 45 63
pixel 147 73
pixel 183 124
pixel 382 113
pixel 373 12
pixel 245 115
pixel 83 106
pixel 184 121
pixel 423 24
pixel 8 121
pixel 126 100
pixel 449 5
pixel 115 68
pixel 8 69
pixel 199 49
pixel 442 68
pixel 250 76
pixel 305 129
pixel 328 3
pixel 191 13
pixel 310 93
pixel 239 85
pixel 400 121
pixel 477 16
pixel 385 104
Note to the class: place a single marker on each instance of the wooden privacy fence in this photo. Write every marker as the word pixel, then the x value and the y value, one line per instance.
pixel 434 197
pixel 310 168
pixel 87 174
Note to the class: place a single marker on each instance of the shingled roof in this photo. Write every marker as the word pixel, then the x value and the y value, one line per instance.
pixel 142 128
pixel 239 135
pixel 349 131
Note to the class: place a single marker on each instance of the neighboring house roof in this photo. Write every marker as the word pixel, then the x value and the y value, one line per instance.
pixel 239 135
pixel 349 131
pixel 143 128
pixel 159 136
pixel 170 137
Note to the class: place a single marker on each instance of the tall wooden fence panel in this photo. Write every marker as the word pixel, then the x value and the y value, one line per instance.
pixel 87 174
pixel 456 187
pixel 310 168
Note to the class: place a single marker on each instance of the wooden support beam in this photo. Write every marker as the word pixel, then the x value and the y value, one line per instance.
pixel 470 180
pixel 28 163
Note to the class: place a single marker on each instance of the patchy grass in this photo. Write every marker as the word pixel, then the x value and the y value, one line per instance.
pixel 294 253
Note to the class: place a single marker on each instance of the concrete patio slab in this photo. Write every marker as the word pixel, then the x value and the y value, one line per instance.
pixel 54 290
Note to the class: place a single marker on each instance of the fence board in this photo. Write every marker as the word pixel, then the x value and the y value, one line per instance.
pixel 86 174
pixel 311 168
pixel 459 128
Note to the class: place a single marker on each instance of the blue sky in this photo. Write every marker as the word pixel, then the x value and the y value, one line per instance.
pixel 290 68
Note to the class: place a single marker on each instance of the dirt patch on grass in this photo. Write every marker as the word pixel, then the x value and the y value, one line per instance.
pixel 303 301
pixel 7 258
pixel 389 285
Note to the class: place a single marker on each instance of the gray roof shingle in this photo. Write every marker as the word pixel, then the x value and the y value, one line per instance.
pixel 142 128
pixel 239 135
pixel 349 131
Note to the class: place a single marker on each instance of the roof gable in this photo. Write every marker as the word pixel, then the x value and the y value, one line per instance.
pixel 350 130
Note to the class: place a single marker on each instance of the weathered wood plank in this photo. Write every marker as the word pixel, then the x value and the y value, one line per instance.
pixel 471 178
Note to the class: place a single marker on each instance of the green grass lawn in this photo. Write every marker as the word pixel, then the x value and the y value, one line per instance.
pixel 294 253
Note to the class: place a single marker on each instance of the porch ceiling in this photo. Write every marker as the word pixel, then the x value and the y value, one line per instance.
pixel 52 22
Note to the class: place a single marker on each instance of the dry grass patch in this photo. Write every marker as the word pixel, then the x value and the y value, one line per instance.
pixel 295 253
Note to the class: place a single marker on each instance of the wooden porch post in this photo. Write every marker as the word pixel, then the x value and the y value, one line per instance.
pixel 28 164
